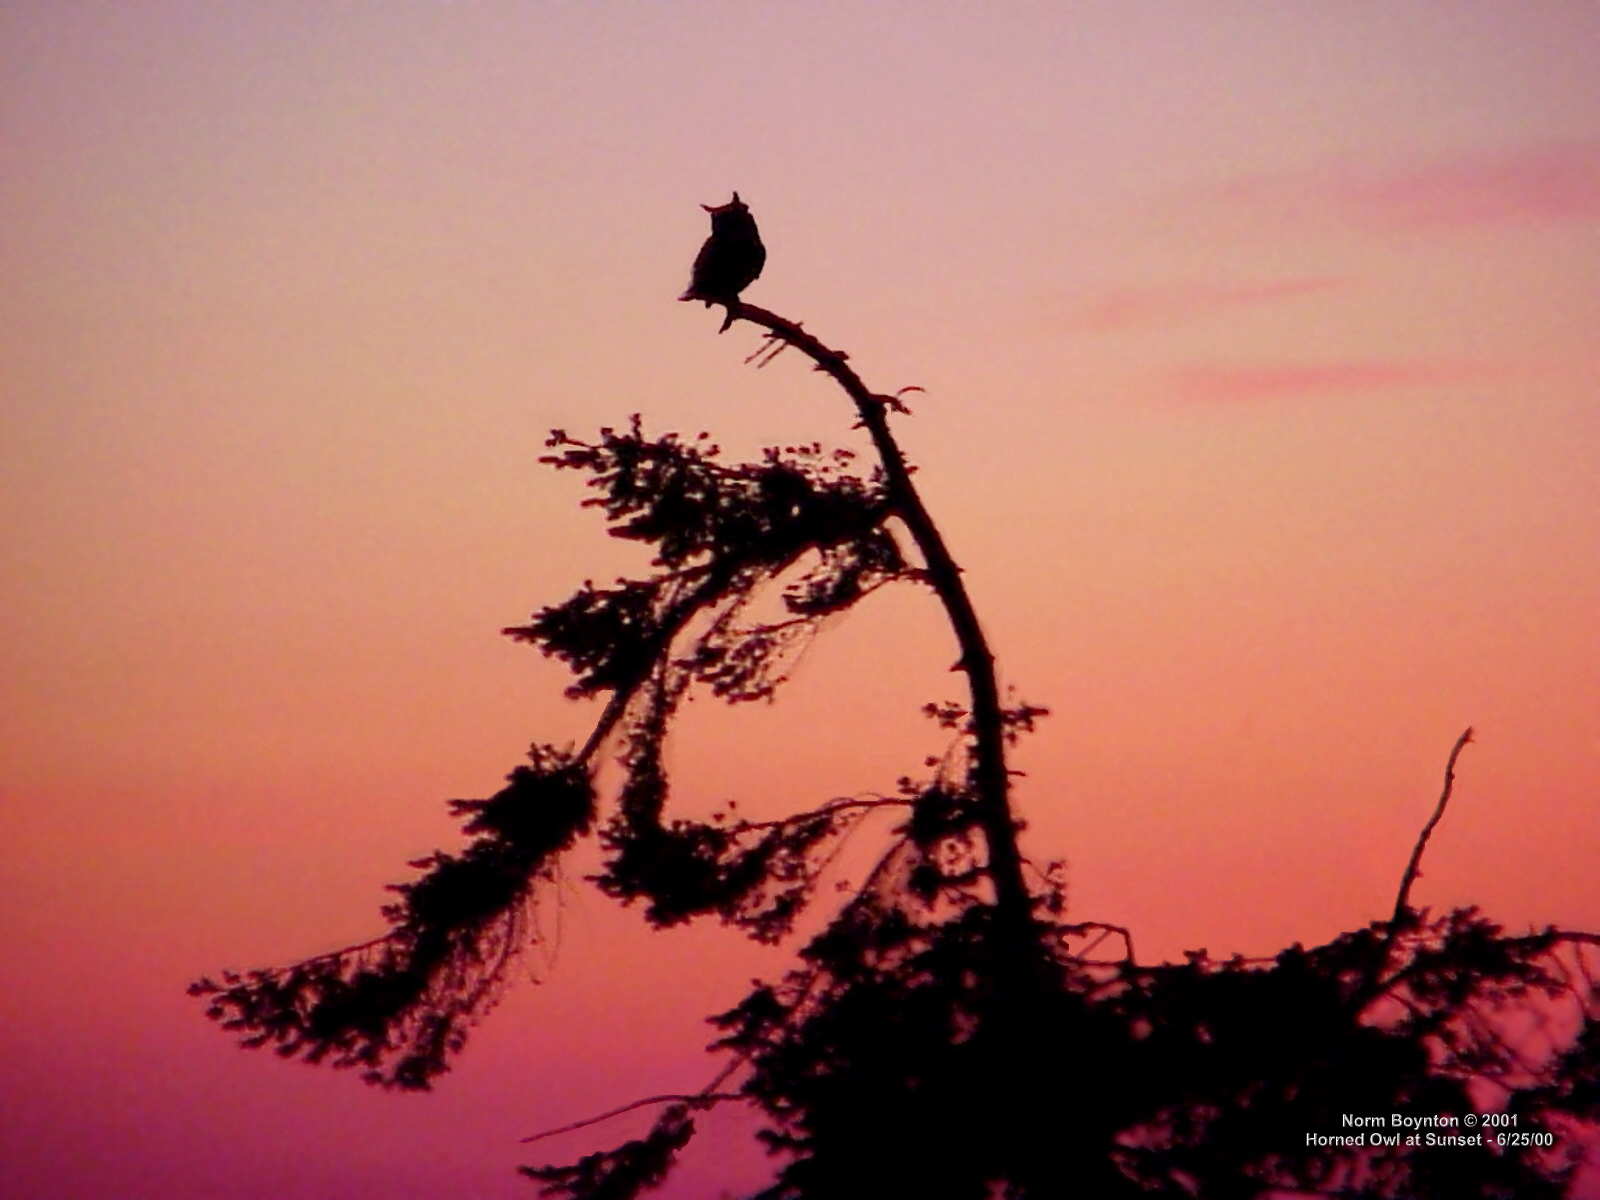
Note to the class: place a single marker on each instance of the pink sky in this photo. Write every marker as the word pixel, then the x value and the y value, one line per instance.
pixel 1261 411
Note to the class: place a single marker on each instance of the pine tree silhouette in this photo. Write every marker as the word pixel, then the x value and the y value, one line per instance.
pixel 948 1033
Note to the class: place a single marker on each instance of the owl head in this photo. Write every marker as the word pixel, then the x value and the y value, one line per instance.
pixel 734 205
pixel 732 218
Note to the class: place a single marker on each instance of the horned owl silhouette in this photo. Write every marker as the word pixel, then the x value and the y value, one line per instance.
pixel 731 258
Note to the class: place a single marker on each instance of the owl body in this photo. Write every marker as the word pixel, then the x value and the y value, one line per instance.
pixel 731 258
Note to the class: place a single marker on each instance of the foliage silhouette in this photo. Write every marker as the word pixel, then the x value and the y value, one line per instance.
pixel 948 1033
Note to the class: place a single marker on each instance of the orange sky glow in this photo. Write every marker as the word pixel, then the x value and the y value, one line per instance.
pixel 1261 411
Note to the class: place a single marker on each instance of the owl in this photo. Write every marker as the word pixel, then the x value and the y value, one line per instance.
pixel 731 258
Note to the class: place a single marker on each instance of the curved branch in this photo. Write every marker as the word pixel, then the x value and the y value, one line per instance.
pixel 1012 901
pixel 1106 930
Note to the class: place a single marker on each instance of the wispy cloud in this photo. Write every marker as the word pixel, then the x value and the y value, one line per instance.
pixel 1228 384
pixel 1169 304
pixel 1528 186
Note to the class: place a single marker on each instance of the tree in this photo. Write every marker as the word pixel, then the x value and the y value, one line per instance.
pixel 949 1032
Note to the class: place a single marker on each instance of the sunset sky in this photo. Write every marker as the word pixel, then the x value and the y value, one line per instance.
pixel 1262 410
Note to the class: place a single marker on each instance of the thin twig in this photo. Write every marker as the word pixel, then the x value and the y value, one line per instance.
pixel 823 811
pixel 1410 877
pixel 694 1100
pixel 1376 985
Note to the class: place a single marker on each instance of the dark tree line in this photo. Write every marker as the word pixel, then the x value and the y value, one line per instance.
pixel 952 1031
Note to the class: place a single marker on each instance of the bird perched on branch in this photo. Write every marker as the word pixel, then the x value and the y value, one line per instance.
pixel 731 258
